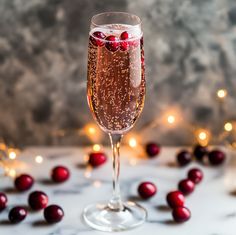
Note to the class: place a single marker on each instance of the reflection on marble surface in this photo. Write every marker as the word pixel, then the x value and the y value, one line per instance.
pixel 190 49
pixel 211 204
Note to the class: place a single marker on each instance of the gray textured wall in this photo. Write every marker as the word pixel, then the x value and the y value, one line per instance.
pixel 190 49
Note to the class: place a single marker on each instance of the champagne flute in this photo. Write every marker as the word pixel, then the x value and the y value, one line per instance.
pixel 115 93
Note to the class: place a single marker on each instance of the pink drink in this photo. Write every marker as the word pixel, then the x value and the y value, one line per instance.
pixel 116 79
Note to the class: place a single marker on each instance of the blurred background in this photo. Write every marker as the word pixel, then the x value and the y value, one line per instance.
pixel 190 52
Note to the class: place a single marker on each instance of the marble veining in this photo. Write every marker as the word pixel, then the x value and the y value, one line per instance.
pixel 211 204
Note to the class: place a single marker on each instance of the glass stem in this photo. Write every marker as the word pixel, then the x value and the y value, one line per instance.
pixel 115 202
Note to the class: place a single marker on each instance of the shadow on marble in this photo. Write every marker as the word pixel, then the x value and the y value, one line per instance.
pixel 47 182
pixel 163 208
pixel 10 190
pixel 40 223
pixel 135 198
pixel 81 165
pixel 233 192
pixel 167 222
pixel 5 223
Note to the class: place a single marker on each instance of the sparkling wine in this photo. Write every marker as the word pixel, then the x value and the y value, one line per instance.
pixel 116 79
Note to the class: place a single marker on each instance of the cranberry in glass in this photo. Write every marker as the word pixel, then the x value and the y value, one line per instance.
pixel 95 38
pixel 175 199
pixel 38 200
pixel 124 45
pixel 24 182
pixel 195 175
pixel 17 214
pixel 200 152
pixel 184 158
pixel 3 201
pixel 186 186
pixel 53 214
pixel 152 149
pixel 216 157
pixel 112 43
pixel 181 214
pixel 97 159
pixel 147 190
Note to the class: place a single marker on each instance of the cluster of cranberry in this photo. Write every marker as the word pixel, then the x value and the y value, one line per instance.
pixel 113 43
pixel 215 157
pixel 37 200
pixel 175 199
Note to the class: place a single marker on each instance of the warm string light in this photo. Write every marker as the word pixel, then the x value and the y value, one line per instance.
pixel 202 136
pixel 96 147
pixel 39 159
pixel 222 93
pixel 228 126
pixel 10 172
pixel 132 142
pixel 12 155
pixel 171 119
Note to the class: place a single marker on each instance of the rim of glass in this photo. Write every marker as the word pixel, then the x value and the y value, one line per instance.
pixel 139 21
pixel 138 25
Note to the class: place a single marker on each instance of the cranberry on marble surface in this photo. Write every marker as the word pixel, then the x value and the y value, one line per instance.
pixel 97 159
pixel 24 182
pixel 216 157
pixel 38 200
pixel 184 157
pixel 152 149
pixel 3 201
pixel 181 214
pixel 147 189
pixel 200 152
pixel 17 214
pixel 60 174
pixel 196 175
pixel 53 214
pixel 175 199
pixel 186 186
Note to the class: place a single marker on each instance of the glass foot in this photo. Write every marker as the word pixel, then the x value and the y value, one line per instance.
pixel 99 216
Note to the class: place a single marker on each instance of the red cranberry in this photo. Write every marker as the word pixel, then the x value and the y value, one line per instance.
pixel 3 201
pixel 216 157
pixel 195 175
pixel 153 149
pixel 125 35
pixel 147 190
pixel 38 200
pixel 95 38
pixel 24 182
pixel 184 158
pixel 53 214
pixel 175 199
pixel 181 214
pixel 60 174
pixel 17 214
pixel 200 152
pixel 141 41
pixel 112 43
pixel 97 159
pixel 186 186
pixel 142 57
pixel 124 45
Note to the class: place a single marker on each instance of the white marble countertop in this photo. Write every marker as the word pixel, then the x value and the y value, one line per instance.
pixel 212 204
